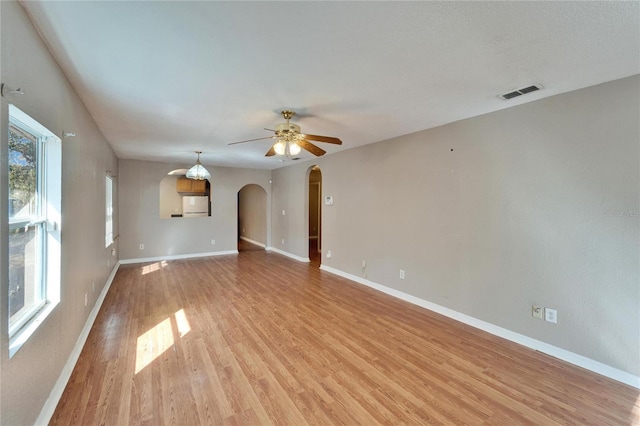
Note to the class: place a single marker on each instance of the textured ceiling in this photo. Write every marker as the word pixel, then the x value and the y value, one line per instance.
pixel 163 79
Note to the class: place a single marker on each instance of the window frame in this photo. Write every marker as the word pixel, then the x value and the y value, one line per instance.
pixel 46 219
pixel 37 220
pixel 108 237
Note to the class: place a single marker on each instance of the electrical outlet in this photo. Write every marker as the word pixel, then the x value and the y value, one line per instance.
pixel 141 246
pixel 283 212
pixel 536 312
pixel 213 242
pixel 402 274
pixel 113 252
pixel 283 241
pixel 328 254
pixel 364 263
pixel 551 315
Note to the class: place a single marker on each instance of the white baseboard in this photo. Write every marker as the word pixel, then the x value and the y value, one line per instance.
pixel 51 403
pixel 562 354
pixel 176 257
pixel 253 242
pixel 291 255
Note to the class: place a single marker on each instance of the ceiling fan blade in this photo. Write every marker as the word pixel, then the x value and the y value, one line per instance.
pixel 318 152
pixel 251 140
pixel 271 152
pixel 326 139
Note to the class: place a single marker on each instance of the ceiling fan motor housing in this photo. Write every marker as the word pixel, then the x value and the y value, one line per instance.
pixel 287 128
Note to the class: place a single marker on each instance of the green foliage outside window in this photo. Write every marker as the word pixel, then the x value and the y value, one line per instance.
pixel 22 172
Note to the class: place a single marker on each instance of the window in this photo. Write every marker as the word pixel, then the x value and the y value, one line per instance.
pixel 34 223
pixel 108 234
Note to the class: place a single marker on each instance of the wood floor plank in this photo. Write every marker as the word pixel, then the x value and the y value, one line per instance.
pixel 213 394
pixel 246 391
pixel 260 339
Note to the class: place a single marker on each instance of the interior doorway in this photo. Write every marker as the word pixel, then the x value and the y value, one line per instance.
pixel 252 218
pixel 315 215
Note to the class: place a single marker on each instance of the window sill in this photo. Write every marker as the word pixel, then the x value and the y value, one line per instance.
pixel 20 338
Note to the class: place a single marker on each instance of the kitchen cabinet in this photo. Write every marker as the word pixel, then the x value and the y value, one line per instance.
pixel 192 186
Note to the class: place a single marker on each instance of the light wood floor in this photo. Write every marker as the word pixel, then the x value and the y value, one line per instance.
pixel 260 339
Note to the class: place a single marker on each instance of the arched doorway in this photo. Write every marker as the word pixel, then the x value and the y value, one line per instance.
pixel 252 218
pixel 315 214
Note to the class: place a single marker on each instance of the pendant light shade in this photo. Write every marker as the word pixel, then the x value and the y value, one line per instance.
pixel 198 172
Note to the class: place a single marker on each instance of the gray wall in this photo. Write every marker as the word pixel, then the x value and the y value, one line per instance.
pixel 253 213
pixel 536 204
pixel 27 378
pixel 170 201
pixel 140 223
pixel 290 195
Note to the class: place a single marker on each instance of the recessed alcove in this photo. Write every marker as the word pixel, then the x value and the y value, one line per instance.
pixel 184 198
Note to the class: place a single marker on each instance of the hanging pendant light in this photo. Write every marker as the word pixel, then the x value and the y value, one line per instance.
pixel 198 172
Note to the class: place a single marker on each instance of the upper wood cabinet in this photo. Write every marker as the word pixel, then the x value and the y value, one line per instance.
pixel 191 185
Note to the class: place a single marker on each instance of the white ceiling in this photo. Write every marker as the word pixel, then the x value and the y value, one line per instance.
pixel 163 79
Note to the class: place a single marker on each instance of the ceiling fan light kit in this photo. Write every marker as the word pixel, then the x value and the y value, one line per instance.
pixel 198 172
pixel 286 148
pixel 291 141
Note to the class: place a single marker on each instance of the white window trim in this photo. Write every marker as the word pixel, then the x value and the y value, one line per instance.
pixel 18 321
pixel 49 217
pixel 108 212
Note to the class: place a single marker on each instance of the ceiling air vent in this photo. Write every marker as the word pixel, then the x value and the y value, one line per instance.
pixel 520 92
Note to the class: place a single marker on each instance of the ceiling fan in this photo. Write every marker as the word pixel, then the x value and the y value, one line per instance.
pixel 290 141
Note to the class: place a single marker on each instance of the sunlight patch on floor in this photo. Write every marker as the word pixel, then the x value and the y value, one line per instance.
pixel 182 322
pixel 157 340
pixel 153 267
pixel 153 343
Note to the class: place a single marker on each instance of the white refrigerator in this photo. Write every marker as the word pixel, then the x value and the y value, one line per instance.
pixel 195 206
